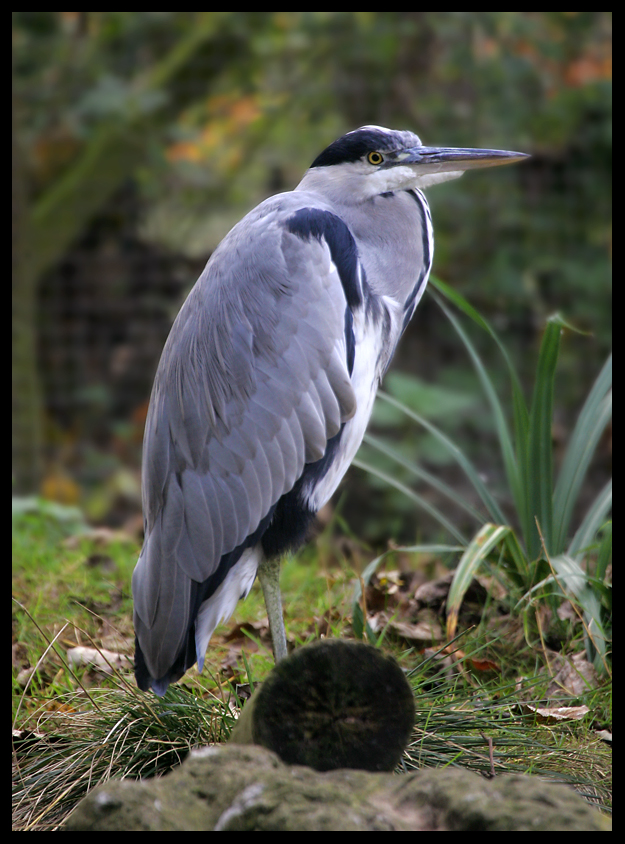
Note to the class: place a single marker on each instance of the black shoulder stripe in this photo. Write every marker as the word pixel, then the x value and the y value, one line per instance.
pixel 313 222
pixel 350 340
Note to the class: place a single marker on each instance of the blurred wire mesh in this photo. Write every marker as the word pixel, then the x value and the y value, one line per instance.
pixel 141 137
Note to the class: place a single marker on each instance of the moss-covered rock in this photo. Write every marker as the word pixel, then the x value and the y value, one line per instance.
pixel 233 787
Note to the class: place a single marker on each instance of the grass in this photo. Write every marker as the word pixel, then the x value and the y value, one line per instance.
pixel 77 726
pixel 62 578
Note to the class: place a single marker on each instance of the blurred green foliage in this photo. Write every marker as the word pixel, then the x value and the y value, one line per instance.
pixel 200 115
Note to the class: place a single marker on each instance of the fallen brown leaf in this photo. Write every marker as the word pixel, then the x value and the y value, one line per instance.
pixel 485 665
pixel 573 675
pixel 422 632
pixel 106 661
pixel 555 714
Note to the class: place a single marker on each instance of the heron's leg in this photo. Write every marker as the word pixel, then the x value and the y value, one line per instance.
pixel 269 576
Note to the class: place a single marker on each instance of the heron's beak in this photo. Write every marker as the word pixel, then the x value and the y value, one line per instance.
pixel 456 160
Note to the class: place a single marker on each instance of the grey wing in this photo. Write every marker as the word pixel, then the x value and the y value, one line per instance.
pixel 252 383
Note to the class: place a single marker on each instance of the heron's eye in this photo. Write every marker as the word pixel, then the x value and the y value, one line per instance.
pixel 375 158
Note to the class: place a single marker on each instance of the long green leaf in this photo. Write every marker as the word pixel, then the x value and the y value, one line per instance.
pixel 521 441
pixel 594 518
pixel 591 423
pixel 573 581
pixel 424 475
pixel 418 499
pixel 605 552
pixel 539 466
pixel 499 417
pixel 480 546
pixel 460 302
pixel 517 477
pixel 429 548
pixel 471 472
pixel 520 571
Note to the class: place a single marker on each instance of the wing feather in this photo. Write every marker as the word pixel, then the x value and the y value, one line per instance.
pixel 197 512
pixel 252 384
pixel 256 496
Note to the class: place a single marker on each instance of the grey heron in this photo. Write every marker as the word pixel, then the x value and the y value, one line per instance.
pixel 267 381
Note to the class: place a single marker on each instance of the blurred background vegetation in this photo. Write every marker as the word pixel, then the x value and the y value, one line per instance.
pixel 140 138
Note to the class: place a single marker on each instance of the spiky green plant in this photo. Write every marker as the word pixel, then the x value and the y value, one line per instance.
pixel 543 553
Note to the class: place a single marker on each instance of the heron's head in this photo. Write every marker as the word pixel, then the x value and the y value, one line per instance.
pixel 372 160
